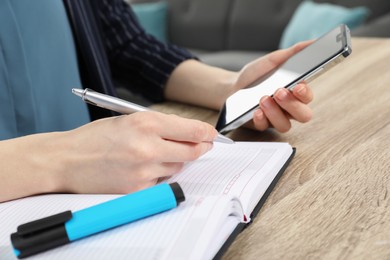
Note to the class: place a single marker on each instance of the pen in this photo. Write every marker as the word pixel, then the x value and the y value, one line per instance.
pixel 50 232
pixel 122 106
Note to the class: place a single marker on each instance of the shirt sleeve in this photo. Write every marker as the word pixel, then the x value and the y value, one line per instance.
pixel 138 60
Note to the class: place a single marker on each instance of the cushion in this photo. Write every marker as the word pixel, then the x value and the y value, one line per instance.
pixel 311 20
pixel 153 18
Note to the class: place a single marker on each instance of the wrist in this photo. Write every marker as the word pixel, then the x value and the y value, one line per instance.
pixel 49 160
pixel 199 84
pixel 227 85
pixel 66 162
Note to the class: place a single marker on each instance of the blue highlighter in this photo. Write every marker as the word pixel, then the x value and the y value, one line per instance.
pixel 50 232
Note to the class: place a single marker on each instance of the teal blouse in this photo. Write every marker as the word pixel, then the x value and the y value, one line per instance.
pixel 38 69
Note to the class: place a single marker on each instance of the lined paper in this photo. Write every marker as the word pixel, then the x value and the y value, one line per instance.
pixel 237 173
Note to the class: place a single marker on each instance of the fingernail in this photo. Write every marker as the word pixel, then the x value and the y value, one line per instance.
pixel 259 114
pixel 301 90
pixel 264 102
pixel 281 94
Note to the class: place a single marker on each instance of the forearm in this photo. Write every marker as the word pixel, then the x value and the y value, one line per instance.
pixel 199 84
pixel 30 165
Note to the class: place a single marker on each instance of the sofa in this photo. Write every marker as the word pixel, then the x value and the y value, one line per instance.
pixel 230 33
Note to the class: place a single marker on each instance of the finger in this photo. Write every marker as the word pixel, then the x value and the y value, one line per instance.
pixel 186 130
pixel 277 57
pixel 154 171
pixel 303 93
pixel 267 63
pixel 260 121
pixel 174 151
pixel 275 114
pixel 298 110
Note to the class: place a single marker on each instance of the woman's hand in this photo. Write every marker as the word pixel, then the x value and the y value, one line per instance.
pixel 196 83
pixel 285 105
pixel 114 155
pixel 128 153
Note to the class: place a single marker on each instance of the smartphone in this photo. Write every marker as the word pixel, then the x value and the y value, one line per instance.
pixel 312 61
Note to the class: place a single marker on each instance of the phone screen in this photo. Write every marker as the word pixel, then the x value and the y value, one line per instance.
pixel 240 106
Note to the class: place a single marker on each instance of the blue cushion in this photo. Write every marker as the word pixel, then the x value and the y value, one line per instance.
pixel 311 20
pixel 153 18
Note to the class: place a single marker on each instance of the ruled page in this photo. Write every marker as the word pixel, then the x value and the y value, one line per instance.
pixel 243 169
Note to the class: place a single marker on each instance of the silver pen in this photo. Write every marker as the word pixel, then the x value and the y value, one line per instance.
pixel 122 106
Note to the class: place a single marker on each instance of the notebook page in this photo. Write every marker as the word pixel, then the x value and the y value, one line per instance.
pixel 235 170
pixel 208 229
pixel 150 238
pixel 217 230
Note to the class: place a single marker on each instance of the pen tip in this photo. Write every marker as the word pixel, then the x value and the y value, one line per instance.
pixel 77 92
pixel 223 139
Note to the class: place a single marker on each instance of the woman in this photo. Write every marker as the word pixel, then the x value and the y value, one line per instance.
pixel 50 145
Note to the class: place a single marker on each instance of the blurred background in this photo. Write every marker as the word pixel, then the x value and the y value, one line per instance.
pixel 231 33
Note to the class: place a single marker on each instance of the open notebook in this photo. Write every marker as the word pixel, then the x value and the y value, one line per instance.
pixel 224 189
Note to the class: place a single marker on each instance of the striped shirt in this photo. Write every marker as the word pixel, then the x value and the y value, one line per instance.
pixel 137 59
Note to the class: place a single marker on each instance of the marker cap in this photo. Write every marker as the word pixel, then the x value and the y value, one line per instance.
pixel 41 235
pixel 178 192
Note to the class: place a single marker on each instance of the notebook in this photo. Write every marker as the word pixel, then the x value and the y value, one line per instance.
pixel 224 190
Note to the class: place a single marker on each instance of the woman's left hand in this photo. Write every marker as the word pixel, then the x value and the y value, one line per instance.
pixel 277 112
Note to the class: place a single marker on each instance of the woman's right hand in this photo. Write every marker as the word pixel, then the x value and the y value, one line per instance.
pixel 128 153
pixel 113 155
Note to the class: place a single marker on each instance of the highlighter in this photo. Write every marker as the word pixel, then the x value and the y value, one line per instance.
pixel 50 232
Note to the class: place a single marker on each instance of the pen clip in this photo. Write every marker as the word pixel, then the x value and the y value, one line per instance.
pixel 40 235
pixel 44 223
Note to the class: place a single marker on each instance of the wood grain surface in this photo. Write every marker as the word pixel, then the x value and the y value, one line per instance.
pixel 333 202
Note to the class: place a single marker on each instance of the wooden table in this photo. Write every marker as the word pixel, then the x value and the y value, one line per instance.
pixel 333 202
